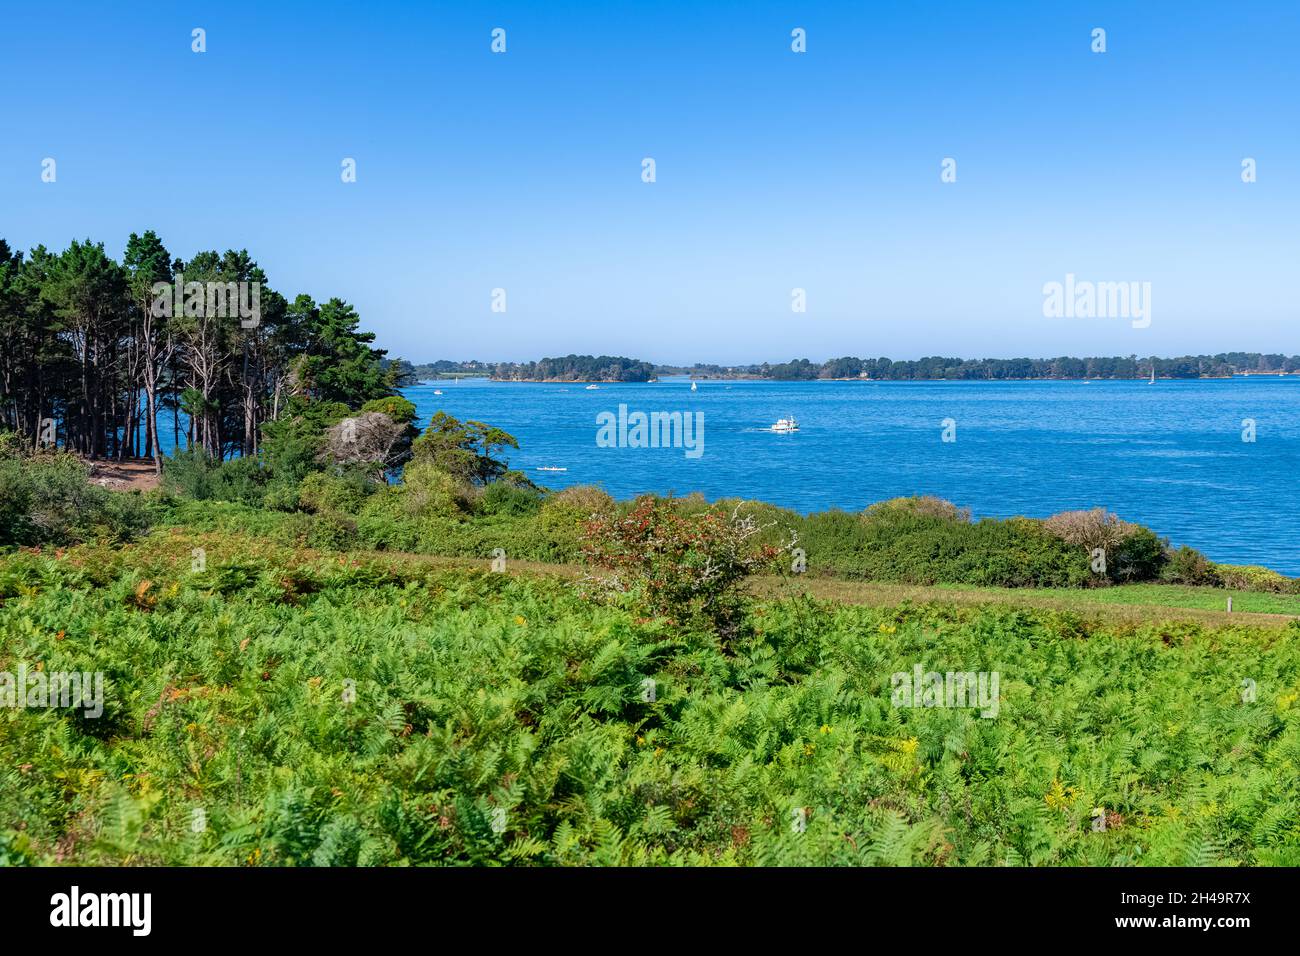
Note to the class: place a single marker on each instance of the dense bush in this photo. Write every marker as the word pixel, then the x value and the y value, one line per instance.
pixel 1186 565
pixel 344 493
pixel 193 474
pixel 1251 577
pixel 564 516
pixel 926 541
pixel 507 498
pixel 48 499
pixel 1139 556
pixel 427 491
pixel 684 567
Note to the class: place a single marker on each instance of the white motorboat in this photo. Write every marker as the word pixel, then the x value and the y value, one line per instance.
pixel 785 425
pixel 592 387
pixel 550 468
pixel 437 391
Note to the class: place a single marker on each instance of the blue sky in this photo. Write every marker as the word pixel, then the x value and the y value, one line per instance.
pixel 775 170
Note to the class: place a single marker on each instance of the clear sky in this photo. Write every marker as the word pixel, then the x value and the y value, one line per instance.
pixel 775 170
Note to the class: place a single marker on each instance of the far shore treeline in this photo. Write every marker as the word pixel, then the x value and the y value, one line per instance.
pixel 604 368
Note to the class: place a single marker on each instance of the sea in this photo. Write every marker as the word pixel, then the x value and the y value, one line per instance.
pixel 1210 463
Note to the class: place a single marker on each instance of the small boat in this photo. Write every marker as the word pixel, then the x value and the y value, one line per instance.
pixel 1153 375
pixel 437 391
pixel 592 387
pixel 785 425
pixel 550 468
pixel 694 387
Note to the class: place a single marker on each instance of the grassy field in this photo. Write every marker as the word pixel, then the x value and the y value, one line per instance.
pixel 1134 602
pixel 286 707
pixel 1183 596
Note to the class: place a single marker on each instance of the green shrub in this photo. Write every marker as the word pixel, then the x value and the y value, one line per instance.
pixel 344 493
pixel 332 531
pixel 565 513
pixel 48 499
pixel 1139 556
pixel 685 567
pixel 195 475
pixel 292 443
pixel 506 498
pixel 926 541
pixel 281 496
pixel 399 409
pixel 427 491
pixel 1252 577
pixel 1188 566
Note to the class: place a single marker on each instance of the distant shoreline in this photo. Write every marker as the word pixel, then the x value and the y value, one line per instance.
pixel 873 381
pixel 610 369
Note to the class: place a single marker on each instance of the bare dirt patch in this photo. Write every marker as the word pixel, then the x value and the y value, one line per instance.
pixel 133 474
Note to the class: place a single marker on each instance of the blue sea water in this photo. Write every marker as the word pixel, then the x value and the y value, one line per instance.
pixel 1169 455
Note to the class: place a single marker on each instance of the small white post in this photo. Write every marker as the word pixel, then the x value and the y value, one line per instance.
pixel 1230 603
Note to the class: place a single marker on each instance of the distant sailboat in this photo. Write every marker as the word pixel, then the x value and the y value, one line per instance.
pixel 1153 374
pixel 694 388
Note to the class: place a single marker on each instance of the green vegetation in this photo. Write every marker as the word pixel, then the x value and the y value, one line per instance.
pixel 48 499
pixel 570 368
pixel 1168 595
pixel 499 719
pixel 930 368
pixel 94 350
pixel 297 673
pixel 1064 367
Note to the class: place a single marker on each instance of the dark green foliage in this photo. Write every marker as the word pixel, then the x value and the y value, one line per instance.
pixel 344 493
pixel 338 363
pixel 506 498
pixel 1140 556
pixel 1188 566
pixel 193 474
pixel 911 546
pixel 577 368
pixel 464 450
pixel 291 445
